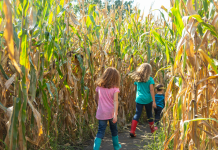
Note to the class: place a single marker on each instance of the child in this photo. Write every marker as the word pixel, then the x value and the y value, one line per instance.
pixel 107 98
pixel 159 98
pixel 144 96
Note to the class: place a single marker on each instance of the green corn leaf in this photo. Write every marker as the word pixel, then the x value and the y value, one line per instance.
pixel 167 53
pixel 209 60
pixel 3 73
pixel 179 109
pixel 24 105
pixel 24 55
pixel 13 131
pixel 32 81
pixel 87 97
pixel 50 18
pixel 62 3
pixel 91 8
pixel 205 4
pixel 186 123
pixel 162 15
pixel 45 104
pixel 42 59
pixel 6 147
pixel 178 20
pixel 163 68
pixel 200 30
pixel 25 6
pixel 56 91
pixel 16 39
pixel 207 26
pixel 49 89
pixel 91 67
pixel 49 50
pixel 1 7
pixel 3 107
pixel 200 119
pixel 92 19
pixel 158 37
pixel 67 86
pixel 149 53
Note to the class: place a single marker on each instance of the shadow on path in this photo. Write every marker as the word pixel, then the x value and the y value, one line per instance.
pixel 143 135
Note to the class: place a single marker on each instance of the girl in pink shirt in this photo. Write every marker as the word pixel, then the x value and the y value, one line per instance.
pixel 107 98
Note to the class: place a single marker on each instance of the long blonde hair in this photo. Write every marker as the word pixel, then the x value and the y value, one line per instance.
pixel 109 79
pixel 142 74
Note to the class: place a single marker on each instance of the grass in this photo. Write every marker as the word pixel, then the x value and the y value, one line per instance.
pixel 156 142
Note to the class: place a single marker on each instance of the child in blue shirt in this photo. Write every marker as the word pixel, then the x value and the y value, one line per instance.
pixel 159 99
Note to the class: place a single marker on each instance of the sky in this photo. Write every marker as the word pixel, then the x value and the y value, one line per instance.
pixel 146 4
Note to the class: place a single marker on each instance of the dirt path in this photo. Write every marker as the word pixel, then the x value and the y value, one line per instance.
pixel 128 143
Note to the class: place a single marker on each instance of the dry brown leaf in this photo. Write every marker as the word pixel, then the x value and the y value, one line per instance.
pixel 8 33
pixel 38 119
pixel 216 5
pixel 190 53
pixel 10 81
pixel 69 71
pixel 32 18
pixel 190 8
pixel 169 88
pixel 1 82
pixel 73 18
pixel 9 111
pixel 178 56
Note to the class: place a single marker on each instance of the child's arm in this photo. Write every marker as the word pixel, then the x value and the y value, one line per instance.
pixel 96 97
pixel 152 95
pixel 115 107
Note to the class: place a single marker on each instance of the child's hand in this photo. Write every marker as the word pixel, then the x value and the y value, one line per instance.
pixel 154 105
pixel 114 119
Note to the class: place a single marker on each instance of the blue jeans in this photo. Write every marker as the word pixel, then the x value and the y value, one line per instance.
pixel 102 126
pixel 139 108
pixel 158 111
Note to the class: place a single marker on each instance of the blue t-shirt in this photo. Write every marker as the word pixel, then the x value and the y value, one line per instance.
pixel 143 94
pixel 159 99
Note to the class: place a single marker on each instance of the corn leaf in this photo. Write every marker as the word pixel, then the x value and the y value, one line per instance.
pixel 209 27
pixel 178 20
pixel 13 131
pixel 208 60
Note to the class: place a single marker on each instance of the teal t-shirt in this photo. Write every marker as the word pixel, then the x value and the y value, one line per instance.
pixel 143 94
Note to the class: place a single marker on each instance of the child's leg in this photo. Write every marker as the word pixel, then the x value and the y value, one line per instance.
pixel 113 127
pixel 100 135
pixel 114 132
pixel 156 116
pixel 138 113
pixel 158 111
pixel 148 108
pixel 101 128
pixel 135 120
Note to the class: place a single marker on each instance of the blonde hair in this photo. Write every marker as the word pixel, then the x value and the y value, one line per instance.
pixel 142 74
pixel 109 79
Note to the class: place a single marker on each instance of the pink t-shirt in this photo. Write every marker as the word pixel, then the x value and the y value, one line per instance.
pixel 105 109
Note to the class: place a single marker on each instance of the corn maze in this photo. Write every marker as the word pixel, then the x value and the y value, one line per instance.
pixel 50 59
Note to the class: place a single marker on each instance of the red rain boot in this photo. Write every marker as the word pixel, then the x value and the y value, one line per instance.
pixel 152 127
pixel 133 128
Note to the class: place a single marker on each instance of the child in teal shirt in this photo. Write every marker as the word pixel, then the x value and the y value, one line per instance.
pixel 144 96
